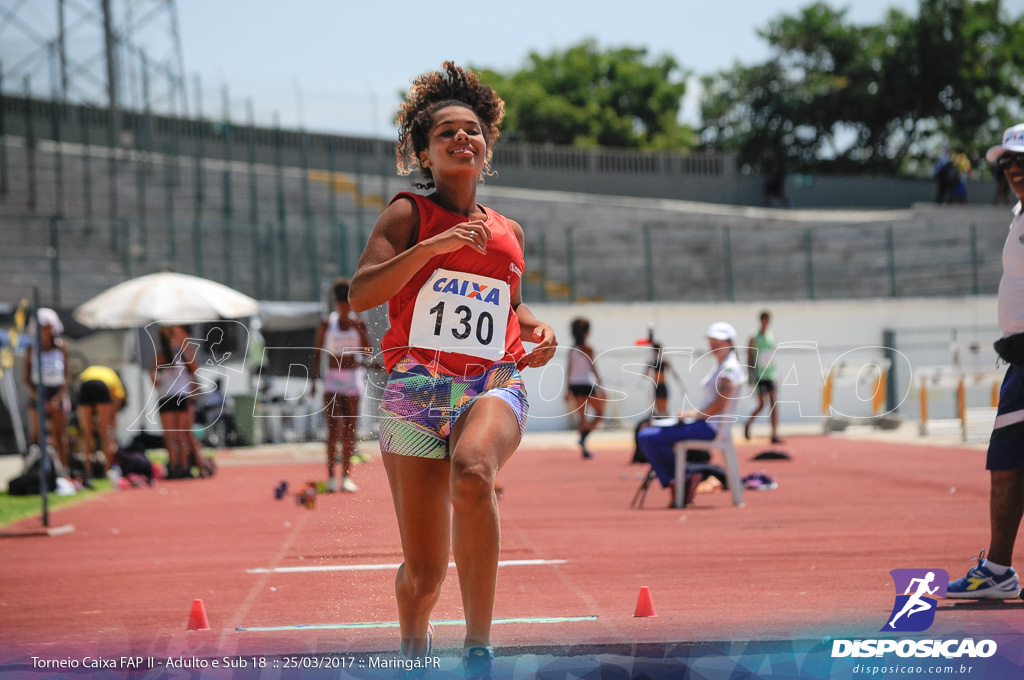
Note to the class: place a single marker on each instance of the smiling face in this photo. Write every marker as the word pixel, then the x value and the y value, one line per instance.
pixel 456 144
pixel 1015 174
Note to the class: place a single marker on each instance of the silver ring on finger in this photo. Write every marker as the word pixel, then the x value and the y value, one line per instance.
pixel 472 233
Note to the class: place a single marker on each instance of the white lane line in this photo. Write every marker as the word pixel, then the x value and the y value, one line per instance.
pixel 394 624
pixel 371 567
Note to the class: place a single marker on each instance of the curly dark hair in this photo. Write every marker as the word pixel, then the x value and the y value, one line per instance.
pixel 432 92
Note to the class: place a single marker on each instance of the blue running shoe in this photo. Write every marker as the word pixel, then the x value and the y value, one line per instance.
pixel 479 663
pixel 420 671
pixel 982 584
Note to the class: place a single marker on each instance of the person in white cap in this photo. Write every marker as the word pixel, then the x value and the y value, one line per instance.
pixel 56 376
pixel 721 386
pixel 994 577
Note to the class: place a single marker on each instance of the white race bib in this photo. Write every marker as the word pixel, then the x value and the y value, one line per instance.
pixel 53 374
pixel 463 313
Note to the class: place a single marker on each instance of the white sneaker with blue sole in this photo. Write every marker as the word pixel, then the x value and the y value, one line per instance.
pixel 982 584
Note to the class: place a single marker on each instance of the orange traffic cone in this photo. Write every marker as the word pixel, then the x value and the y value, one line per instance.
pixel 197 619
pixel 644 603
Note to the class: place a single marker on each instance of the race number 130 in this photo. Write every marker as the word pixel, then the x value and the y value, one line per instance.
pixel 482 326
pixel 463 313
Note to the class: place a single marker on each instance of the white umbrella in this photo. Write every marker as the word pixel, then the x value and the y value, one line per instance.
pixel 166 298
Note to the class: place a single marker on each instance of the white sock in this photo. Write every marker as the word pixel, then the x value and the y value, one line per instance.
pixel 996 569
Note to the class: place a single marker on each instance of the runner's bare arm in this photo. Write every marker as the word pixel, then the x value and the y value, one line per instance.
pixel 67 374
pixel 726 390
pixel 589 351
pixel 28 374
pixel 393 255
pixel 190 355
pixel 314 365
pixel 188 350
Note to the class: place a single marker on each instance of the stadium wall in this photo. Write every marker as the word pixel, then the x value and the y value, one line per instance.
pixel 820 335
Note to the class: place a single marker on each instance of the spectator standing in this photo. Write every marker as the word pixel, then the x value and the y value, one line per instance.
pixel 344 337
pixel 760 355
pixel 945 177
pixel 584 383
pixel 994 577
pixel 173 372
pixel 773 175
pixel 964 171
pixel 54 382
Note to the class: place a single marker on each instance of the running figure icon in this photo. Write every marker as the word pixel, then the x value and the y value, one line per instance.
pixel 917 592
pixel 916 604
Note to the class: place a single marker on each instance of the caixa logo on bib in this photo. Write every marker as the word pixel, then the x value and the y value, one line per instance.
pixel 914 610
pixel 468 289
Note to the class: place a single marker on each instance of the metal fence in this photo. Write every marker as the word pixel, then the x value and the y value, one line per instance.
pixel 71 259
pixel 664 262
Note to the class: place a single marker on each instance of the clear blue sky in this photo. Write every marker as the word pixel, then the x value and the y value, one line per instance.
pixel 347 61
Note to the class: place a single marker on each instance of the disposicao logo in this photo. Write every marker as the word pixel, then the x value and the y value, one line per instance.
pixel 914 610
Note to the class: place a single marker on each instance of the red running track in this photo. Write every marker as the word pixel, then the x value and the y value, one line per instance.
pixel 809 559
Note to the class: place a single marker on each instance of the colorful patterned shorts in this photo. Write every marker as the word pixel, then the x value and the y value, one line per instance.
pixel 419 409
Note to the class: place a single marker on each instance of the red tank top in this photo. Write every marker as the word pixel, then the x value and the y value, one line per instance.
pixel 503 261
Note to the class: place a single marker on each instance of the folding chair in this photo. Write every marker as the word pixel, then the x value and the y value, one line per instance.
pixel 722 442
pixel 641 493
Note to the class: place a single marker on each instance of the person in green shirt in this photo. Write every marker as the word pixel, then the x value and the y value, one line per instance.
pixel 760 352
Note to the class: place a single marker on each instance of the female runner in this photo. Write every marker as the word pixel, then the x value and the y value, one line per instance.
pixel 455 407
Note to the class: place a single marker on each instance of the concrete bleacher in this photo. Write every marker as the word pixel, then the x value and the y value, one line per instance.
pixel 281 254
pixel 773 254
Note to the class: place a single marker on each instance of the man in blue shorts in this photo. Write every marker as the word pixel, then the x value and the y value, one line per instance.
pixel 994 578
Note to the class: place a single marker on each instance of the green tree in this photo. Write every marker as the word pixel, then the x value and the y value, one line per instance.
pixel 587 97
pixel 878 98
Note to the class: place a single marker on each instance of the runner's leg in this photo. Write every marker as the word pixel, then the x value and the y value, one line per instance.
pixel 108 433
pixel 85 426
pixel 348 421
pixel 597 404
pixel 774 414
pixel 419 490
pixel 33 424
pixel 59 431
pixel 750 420
pixel 174 462
pixel 1006 508
pixel 581 410
pixel 482 440
pixel 332 412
